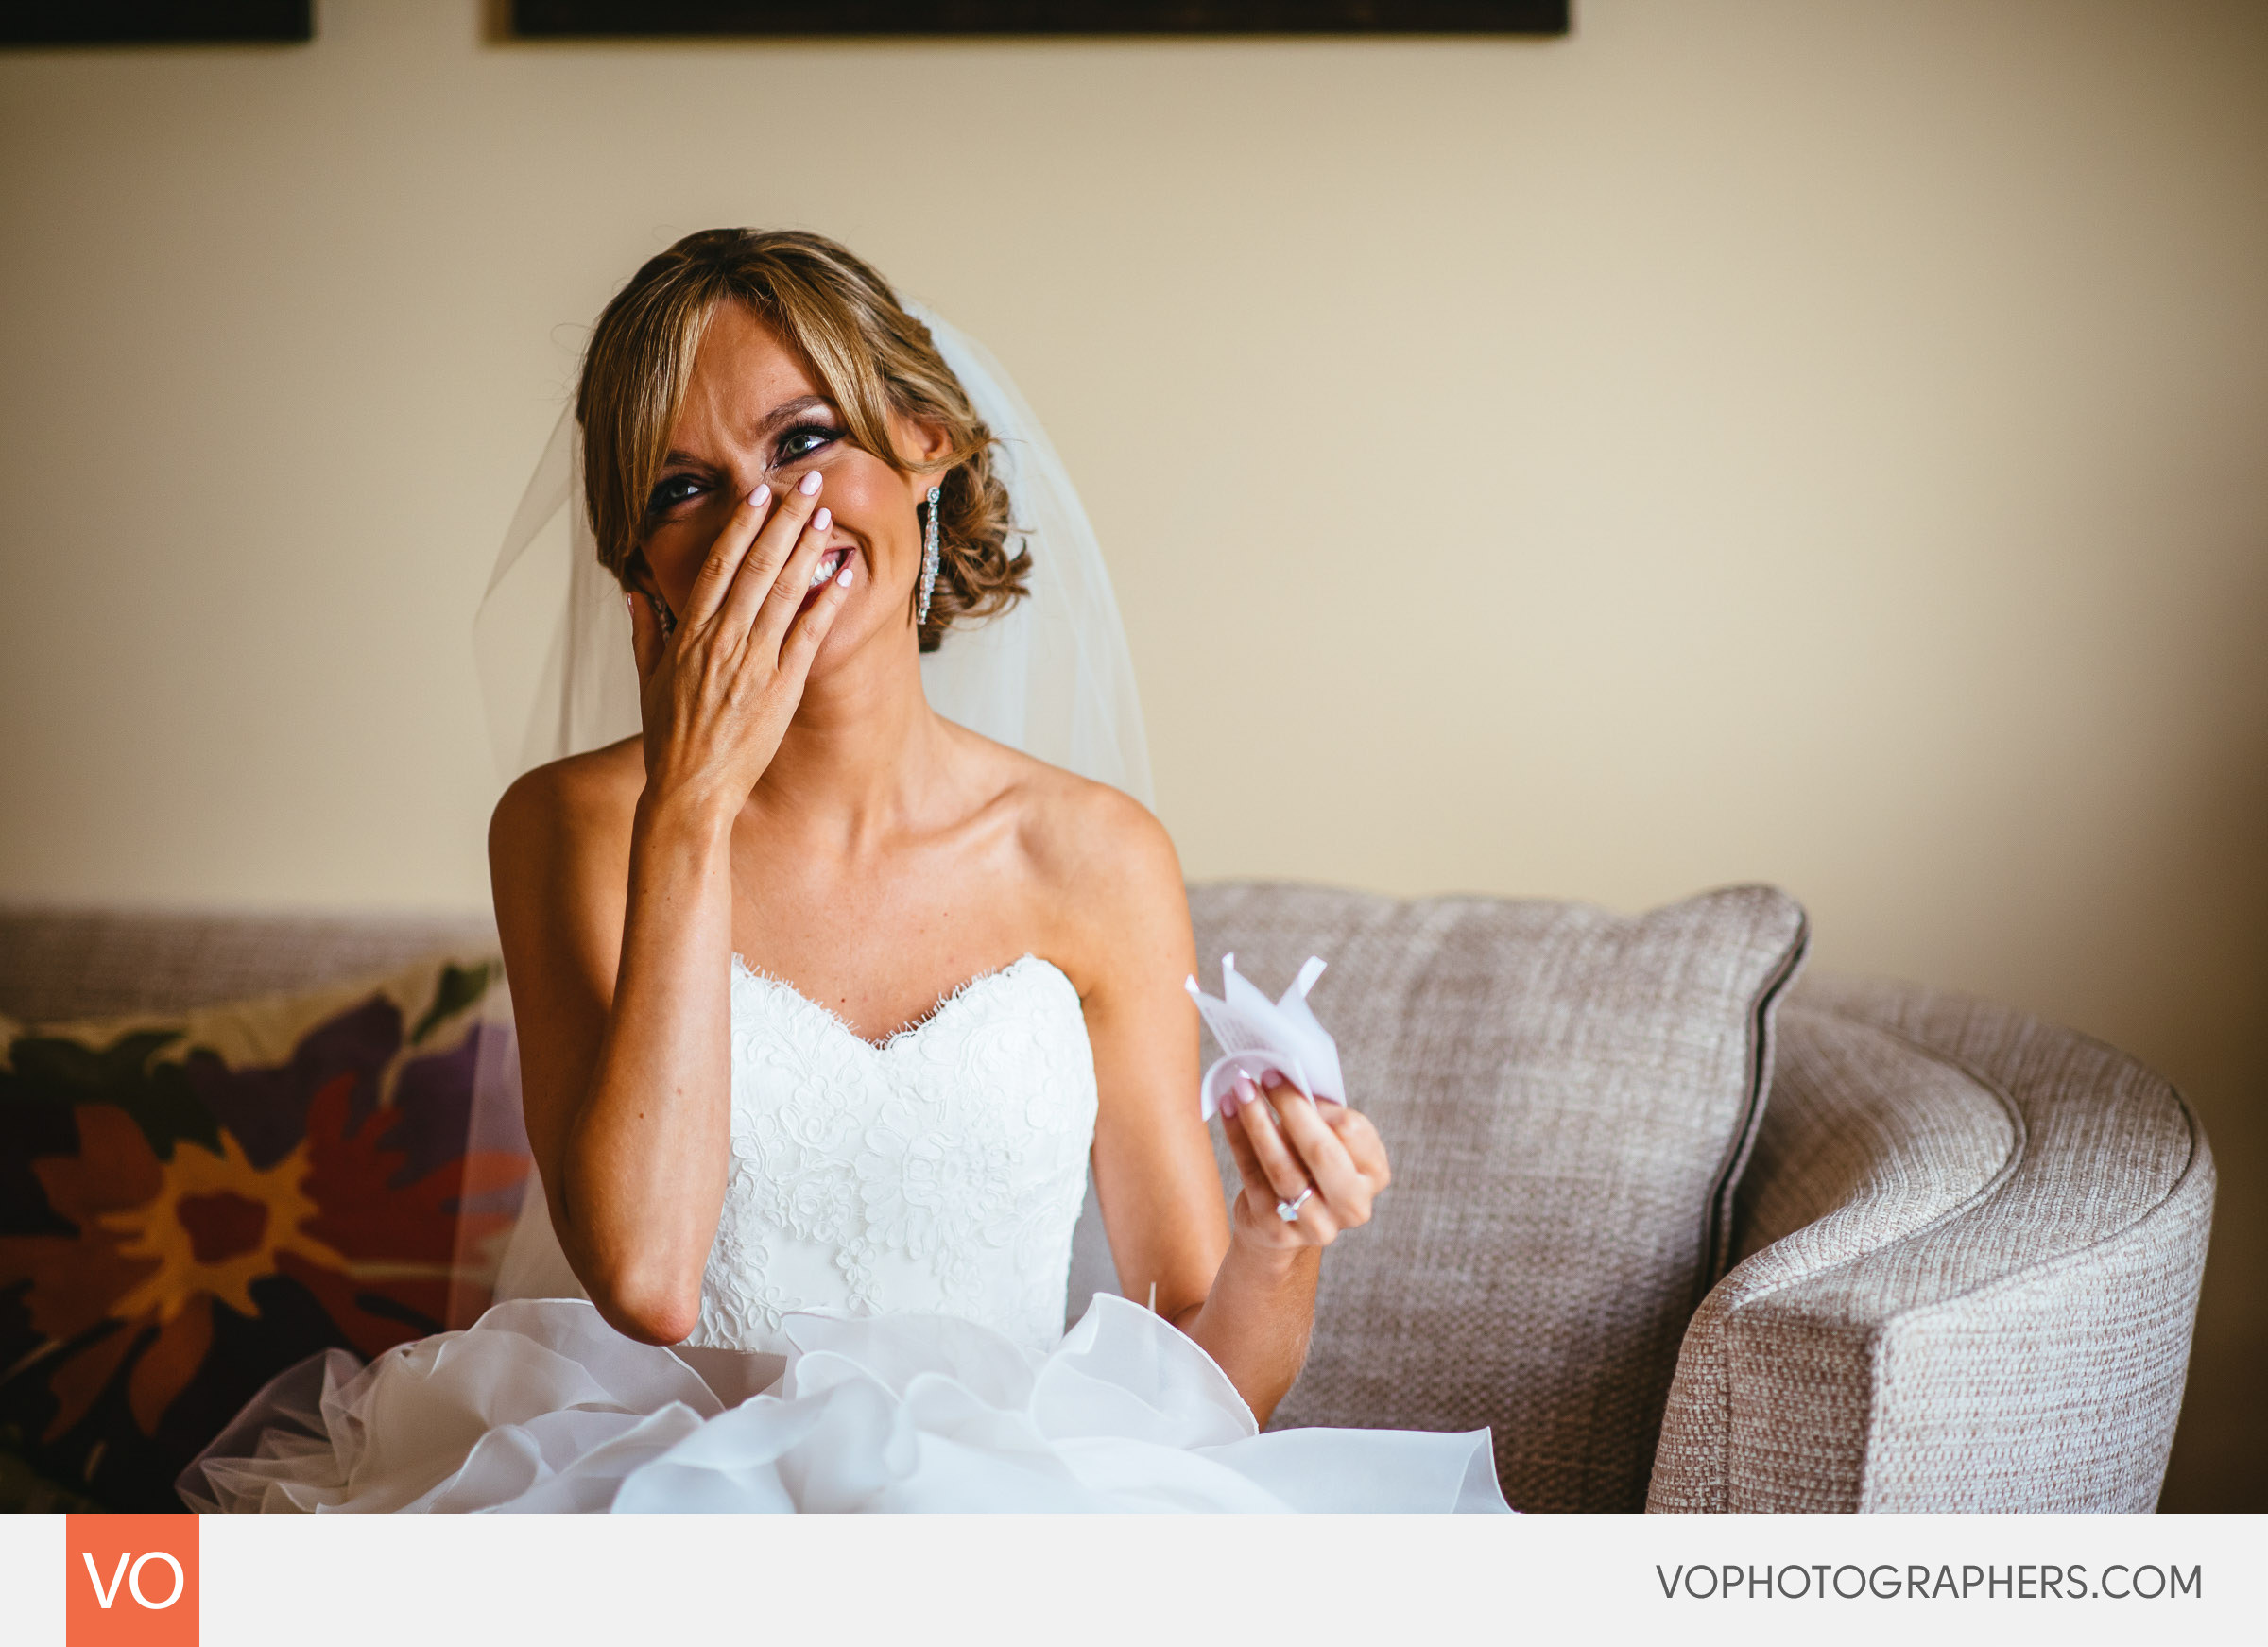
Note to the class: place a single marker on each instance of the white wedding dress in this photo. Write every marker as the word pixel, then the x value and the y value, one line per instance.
pixel 881 1326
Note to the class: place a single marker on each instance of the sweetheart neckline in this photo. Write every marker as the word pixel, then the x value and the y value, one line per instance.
pixel 913 1028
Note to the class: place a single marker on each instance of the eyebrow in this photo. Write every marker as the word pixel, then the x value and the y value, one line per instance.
pixel 785 412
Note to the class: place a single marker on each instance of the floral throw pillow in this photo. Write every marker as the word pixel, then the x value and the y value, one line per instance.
pixel 190 1203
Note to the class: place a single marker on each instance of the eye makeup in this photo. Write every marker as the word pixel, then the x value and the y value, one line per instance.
pixel 671 491
pixel 804 439
pixel 813 431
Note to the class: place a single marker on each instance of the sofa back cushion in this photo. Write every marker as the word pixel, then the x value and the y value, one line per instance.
pixel 1569 1095
pixel 60 963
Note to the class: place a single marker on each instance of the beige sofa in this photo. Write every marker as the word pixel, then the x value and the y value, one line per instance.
pixel 1963 1272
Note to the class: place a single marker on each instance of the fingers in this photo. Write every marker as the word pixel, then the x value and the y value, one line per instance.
pixel 1337 1179
pixel 1254 1175
pixel 714 580
pixel 646 635
pixel 782 600
pixel 1279 1164
pixel 765 568
pixel 1360 1141
pixel 1285 1143
pixel 802 642
pixel 1256 1121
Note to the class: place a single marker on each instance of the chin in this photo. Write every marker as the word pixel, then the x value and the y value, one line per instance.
pixel 855 631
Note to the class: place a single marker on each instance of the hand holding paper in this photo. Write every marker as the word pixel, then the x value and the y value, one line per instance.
pixel 1257 1035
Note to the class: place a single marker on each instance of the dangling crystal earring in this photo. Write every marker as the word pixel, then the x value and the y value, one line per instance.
pixel 929 559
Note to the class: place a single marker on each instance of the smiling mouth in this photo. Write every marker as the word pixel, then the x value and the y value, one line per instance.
pixel 832 562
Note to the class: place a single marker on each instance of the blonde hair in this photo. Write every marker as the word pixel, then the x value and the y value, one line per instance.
pixel 870 356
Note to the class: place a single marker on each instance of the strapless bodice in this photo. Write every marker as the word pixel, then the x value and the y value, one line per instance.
pixel 939 1171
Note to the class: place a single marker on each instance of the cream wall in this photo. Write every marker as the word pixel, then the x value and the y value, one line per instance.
pixel 1821 443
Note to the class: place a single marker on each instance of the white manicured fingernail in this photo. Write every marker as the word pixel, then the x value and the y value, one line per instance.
pixel 821 521
pixel 843 576
pixel 760 497
pixel 809 484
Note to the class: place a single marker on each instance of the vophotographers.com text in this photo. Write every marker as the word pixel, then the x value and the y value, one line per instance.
pixel 1885 1581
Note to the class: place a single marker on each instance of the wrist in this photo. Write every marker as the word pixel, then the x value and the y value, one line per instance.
pixel 682 820
pixel 1265 1260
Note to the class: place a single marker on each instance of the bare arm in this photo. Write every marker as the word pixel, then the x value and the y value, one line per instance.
pixel 1240 1281
pixel 621 993
pixel 625 1043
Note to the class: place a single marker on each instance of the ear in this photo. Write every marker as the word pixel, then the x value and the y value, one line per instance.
pixel 923 445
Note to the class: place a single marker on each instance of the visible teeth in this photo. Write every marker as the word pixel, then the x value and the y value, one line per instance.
pixel 829 563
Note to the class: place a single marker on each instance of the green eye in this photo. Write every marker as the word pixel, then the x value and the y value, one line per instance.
pixel 672 491
pixel 804 439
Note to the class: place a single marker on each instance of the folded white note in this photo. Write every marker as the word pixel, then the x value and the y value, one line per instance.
pixel 1258 1035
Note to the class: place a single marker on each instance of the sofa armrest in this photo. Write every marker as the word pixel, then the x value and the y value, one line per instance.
pixel 1969 1255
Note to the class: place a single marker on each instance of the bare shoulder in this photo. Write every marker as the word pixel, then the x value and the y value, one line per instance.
pixel 1068 829
pixel 559 843
pixel 1105 862
pixel 580 790
pixel 566 802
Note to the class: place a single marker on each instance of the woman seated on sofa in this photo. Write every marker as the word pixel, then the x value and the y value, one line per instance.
pixel 826 1002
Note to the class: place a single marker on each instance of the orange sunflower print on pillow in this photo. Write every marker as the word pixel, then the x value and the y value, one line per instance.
pixel 189 1207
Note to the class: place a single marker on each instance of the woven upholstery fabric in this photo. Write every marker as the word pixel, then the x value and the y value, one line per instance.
pixel 58 963
pixel 1567 1094
pixel 1974 1242
pixel 1866 1139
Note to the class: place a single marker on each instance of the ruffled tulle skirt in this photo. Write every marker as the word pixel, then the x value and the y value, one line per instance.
pixel 542 1406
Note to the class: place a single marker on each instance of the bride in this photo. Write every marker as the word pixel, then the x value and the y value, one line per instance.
pixel 825 1003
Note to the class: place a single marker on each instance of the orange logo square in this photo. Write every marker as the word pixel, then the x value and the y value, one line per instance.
pixel 130 1581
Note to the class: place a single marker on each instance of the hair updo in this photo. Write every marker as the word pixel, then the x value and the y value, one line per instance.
pixel 869 356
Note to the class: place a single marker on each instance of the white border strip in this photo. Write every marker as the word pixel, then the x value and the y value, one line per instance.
pixel 1078 1582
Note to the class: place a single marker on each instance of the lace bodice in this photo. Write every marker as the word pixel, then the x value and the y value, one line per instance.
pixel 939 1171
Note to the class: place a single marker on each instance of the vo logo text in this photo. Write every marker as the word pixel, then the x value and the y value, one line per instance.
pixel 130 1581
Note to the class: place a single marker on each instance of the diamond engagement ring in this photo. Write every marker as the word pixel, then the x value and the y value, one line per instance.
pixel 1289 1210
